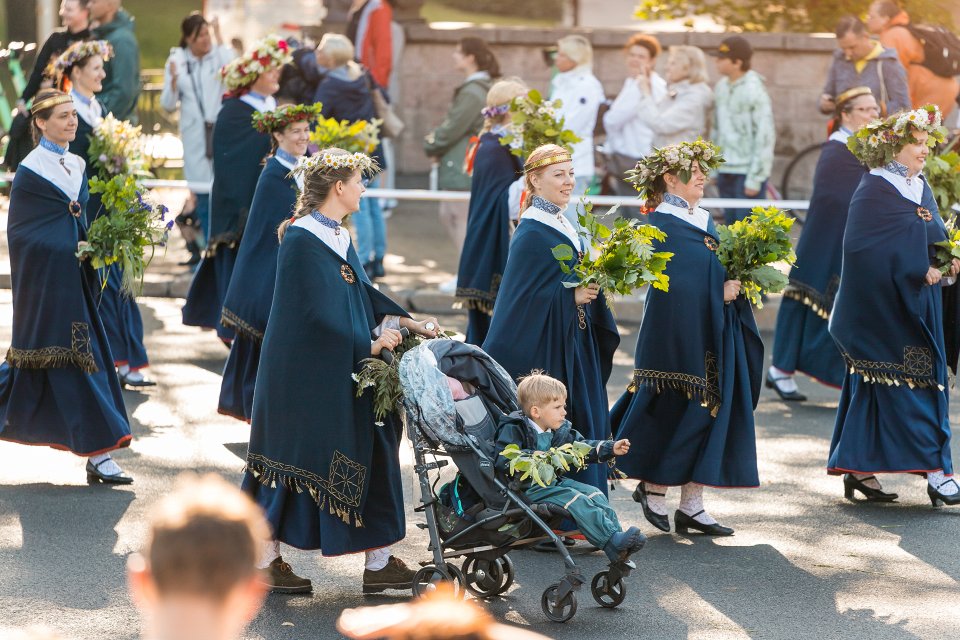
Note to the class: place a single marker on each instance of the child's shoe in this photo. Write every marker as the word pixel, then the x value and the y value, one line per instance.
pixel 621 545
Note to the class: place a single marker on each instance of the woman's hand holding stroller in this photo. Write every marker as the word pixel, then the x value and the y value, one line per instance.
pixel 621 447
pixel 388 340
pixel 428 327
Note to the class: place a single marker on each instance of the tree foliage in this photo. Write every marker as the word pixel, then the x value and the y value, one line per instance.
pixel 783 15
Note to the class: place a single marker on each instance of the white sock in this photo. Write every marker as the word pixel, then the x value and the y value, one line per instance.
pixel 123 369
pixel 271 551
pixel 105 464
pixel 873 483
pixel 657 504
pixel 377 559
pixel 783 380
pixel 135 376
pixel 691 502
pixel 946 486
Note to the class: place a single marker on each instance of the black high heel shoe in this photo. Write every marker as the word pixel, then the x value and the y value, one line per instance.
pixel 938 499
pixel 94 475
pixel 851 484
pixel 789 396
pixel 659 521
pixel 683 523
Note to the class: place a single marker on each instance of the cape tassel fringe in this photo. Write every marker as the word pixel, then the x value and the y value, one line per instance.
pixel 473 304
pixel 51 358
pixel 707 400
pixel 817 302
pixel 271 478
pixel 233 321
pixel 893 379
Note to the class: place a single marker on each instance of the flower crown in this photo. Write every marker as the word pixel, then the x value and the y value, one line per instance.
pixel 878 142
pixel 279 118
pixel 81 51
pixel 495 111
pixel 675 158
pixel 269 53
pixel 332 159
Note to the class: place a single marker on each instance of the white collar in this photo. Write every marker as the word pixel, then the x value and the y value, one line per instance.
pixel 556 221
pixel 533 424
pixel 841 135
pixel 297 177
pixel 268 103
pixel 477 75
pixel 88 109
pixel 912 190
pixel 47 165
pixel 340 243
pixel 699 218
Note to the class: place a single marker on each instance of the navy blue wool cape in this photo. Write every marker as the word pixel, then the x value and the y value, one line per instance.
pixel 119 312
pixel 893 411
pixel 802 341
pixel 688 412
pixel 535 325
pixel 57 386
pixel 246 306
pixel 484 254
pixel 326 475
pixel 238 152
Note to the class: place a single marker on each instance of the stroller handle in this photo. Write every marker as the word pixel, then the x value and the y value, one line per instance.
pixel 386 355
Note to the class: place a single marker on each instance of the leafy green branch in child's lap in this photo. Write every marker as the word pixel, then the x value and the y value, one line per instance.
pixel 749 248
pixel 543 467
pixel 621 259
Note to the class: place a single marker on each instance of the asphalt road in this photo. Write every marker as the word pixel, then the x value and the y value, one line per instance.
pixel 804 563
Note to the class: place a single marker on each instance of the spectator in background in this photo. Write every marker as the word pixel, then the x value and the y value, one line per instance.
pixel 369 29
pixel 300 77
pixel 196 577
pixel 860 61
pixel 681 115
pixel 888 21
pixel 447 144
pixel 121 88
pixel 629 138
pixel 743 126
pixel 76 22
pixel 192 82
pixel 345 93
pixel 581 94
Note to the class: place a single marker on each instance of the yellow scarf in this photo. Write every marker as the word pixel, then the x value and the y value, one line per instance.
pixel 860 64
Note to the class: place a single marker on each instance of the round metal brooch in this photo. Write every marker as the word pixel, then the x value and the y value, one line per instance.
pixel 347 274
pixel 75 208
pixel 924 214
pixel 711 243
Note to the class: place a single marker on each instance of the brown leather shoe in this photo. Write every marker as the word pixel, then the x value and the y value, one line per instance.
pixel 396 575
pixel 282 579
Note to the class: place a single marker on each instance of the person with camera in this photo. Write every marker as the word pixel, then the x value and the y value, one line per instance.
pixel 192 83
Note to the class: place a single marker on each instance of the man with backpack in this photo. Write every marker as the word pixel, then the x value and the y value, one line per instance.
pixel 931 55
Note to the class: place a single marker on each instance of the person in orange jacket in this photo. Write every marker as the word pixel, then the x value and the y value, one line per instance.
pixel 369 30
pixel 888 21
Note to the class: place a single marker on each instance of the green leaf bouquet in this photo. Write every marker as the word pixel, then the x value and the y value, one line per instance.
pixel 543 467
pixel 536 122
pixel 947 250
pixel 749 248
pixel 943 175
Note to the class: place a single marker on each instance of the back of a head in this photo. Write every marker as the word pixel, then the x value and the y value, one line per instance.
pixel 204 539
pixel 886 8
pixel 695 59
pixel 577 48
pixel 338 47
pixel 482 55
pixel 505 90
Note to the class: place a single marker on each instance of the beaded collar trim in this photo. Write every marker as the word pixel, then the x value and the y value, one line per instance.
pixel 53 146
pixel 286 157
pixel 325 221
pixel 544 205
pixel 677 201
pixel 895 167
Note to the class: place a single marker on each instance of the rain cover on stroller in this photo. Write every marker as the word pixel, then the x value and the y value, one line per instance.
pixel 427 398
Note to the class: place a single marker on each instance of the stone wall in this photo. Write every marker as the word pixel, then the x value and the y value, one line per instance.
pixel 794 65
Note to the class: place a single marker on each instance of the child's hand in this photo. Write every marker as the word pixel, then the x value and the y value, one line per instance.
pixel 621 447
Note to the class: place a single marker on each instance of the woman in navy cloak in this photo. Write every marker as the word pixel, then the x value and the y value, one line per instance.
pixel 325 472
pixel 238 155
pixel 57 386
pixel 81 66
pixel 246 306
pixel 540 324
pixel 801 341
pixel 484 255
pixel 698 364
pixel 887 320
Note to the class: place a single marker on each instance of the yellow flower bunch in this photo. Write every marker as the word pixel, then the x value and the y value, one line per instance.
pixel 360 136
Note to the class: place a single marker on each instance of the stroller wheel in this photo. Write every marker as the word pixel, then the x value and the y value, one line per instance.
pixel 487 578
pixel 426 579
pixel 607 593
pixel 558 611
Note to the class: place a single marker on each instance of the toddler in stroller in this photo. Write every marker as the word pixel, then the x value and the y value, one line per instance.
pixel 484 514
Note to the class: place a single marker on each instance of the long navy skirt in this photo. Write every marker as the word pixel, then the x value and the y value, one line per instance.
pixel 123 323
pixel 204 304
pixel 296 519
pixel 896 429
pixel 674 440
pixel 478 325
pixel 803 343
pixel 239 378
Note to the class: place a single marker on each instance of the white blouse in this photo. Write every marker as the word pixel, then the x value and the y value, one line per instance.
pixel 909 188
pixel 64 171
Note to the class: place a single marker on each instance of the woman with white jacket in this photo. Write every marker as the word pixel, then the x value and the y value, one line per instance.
pixel 683 114
pixel 191 80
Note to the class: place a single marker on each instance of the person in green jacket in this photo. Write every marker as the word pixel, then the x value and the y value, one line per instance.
pixel 121 87
pixel 447 144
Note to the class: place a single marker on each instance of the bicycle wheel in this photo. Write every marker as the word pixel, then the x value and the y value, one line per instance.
pixel 797 181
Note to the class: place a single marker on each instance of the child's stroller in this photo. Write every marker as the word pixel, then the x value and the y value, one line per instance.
pixel 481 515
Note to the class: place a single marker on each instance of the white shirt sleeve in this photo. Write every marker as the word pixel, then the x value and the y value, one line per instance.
pixel 624 108
pixel 168 97
pixel 388 322
pixel 514 195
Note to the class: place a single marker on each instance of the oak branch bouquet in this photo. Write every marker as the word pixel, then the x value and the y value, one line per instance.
pixel 943 175
pixel 947 250
pixel 621 259
pixel 749 248
pixel 359 136
pixel 129 236
pixel 542 467
pixel 536 122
